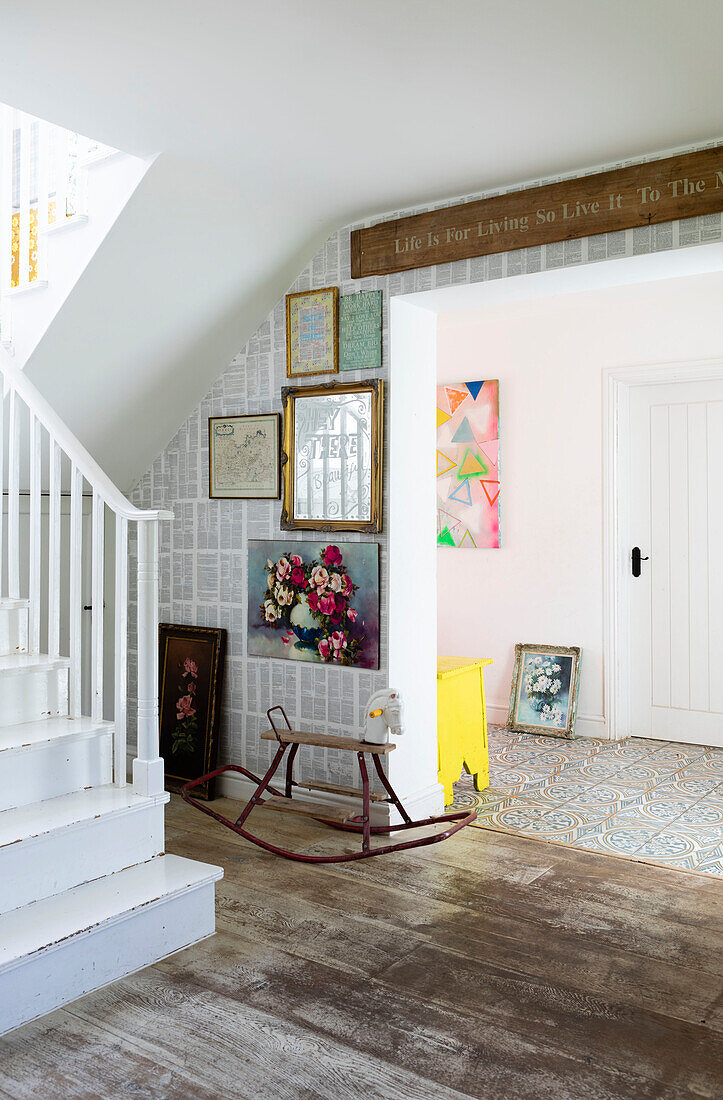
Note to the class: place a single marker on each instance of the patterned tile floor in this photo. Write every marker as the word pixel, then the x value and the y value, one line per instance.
pixel 655 801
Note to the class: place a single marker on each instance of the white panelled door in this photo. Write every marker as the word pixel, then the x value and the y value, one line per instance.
pixel 676 522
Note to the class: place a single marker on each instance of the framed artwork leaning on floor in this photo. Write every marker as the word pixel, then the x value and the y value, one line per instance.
pixel 545 687
pixel 190 665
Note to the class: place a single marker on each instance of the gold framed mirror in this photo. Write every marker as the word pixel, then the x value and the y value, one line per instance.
pixel 332 456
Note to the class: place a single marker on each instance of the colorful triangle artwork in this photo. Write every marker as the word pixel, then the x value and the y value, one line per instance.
pixel 441 468
pixel 444 538
pixel 462 493
pixel 491 448
pixel 455 398
pixel 464 433
pixel 492 490
pixel 474 388
pixel 467 540
pixel 442 417
pixel 472 466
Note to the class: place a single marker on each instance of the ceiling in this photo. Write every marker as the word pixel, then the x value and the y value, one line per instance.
pixel 279 122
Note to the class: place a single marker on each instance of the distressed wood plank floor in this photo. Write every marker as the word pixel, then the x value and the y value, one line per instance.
pixel 488 966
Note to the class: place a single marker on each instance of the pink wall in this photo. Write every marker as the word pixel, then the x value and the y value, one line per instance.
pixel 546 582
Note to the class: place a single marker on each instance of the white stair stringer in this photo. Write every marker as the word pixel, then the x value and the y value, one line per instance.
pixel 49 847
pixel 53 951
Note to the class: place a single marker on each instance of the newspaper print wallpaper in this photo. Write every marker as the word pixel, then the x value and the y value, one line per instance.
pixel 203 558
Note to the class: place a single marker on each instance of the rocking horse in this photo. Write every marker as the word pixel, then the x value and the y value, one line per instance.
pixel 384 714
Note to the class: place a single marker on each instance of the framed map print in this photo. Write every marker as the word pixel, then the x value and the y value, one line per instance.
pixel 312 332
pixel 243 457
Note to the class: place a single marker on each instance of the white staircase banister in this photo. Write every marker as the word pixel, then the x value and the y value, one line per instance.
pixel 18 381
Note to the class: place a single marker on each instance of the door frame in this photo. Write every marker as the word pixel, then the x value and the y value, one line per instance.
pixel 617 384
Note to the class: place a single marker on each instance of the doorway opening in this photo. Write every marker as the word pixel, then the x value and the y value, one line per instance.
pixel 555 341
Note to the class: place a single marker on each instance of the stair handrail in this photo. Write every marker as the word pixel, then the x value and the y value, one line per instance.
pixel 148 768
pixel 18 381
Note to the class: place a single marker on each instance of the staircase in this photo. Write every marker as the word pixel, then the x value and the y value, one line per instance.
pixel 86 893
pixel 60 193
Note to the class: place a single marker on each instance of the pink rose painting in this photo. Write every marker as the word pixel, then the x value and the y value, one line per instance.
pixel 184 733
pixel 191 678
pixel 329 613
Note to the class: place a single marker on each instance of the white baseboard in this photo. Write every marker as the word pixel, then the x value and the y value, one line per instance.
pixel 586 725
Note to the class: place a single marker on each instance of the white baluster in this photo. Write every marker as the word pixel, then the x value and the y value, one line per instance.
pixel 96 669
pixel 61 174
pixel 6 198
pixel 3 391
pixel 148 767
pixel 43 195
pixel 13 499
pixel 121 648
pixel 34 555
pixel 24 227
pixel 76 594
pixel 54 551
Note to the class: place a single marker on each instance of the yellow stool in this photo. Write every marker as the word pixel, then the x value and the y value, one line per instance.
pixel 462 722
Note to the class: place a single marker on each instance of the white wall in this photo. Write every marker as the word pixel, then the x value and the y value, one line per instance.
pixel 546 583
pixel 412 558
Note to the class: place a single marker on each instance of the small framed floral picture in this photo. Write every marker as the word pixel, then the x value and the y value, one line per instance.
pixel 191 680
pixel 545 686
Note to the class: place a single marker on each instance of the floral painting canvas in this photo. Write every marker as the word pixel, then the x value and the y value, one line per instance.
pixel 191 680
pixel 314 601
pixel 468 464
pixel 544 689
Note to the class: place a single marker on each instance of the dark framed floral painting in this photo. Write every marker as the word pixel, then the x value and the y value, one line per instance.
pixel 314 601
pixel 191 661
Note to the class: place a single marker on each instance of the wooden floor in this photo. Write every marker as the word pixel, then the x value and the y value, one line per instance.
pixel 487 966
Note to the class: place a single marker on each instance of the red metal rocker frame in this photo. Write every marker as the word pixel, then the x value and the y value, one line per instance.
pixel 360 823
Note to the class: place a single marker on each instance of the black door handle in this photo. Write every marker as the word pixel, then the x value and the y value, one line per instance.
pixel 637 560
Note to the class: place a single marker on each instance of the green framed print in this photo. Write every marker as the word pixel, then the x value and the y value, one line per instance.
pixel 360 331
pixel 244 457
pixel 545 687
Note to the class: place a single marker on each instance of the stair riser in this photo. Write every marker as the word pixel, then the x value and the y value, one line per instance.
pixel 56 768
pixel 28 696
pixel 41 866
pixel 13 630
pixel 86 962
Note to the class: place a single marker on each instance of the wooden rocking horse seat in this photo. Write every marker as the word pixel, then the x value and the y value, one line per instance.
pixel 340 818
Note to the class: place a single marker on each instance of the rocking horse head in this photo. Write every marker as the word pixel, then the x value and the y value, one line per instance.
pixel 384 715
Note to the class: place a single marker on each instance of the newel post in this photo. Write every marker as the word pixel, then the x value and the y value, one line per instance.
pixel 148 765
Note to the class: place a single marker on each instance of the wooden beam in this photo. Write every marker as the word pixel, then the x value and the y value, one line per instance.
pixel 682 186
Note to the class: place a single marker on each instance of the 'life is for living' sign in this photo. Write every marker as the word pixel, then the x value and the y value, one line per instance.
pixel 682 186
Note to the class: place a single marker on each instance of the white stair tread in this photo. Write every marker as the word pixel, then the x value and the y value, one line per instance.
pixel 42 925
pixel 6 604
pixel 40 818
pixel 49 729
pixel 30 662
